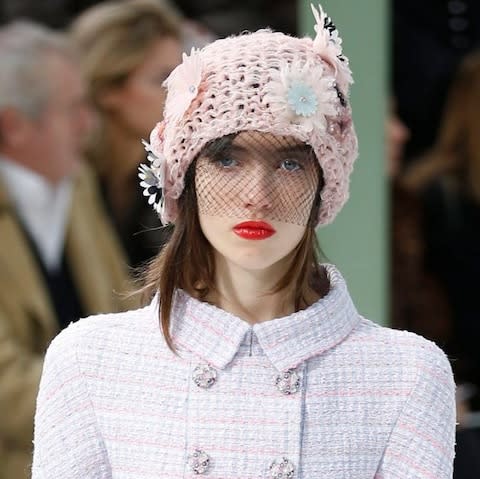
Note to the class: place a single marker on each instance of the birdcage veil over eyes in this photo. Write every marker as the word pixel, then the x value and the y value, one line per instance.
pixel 259 176
pixel 291 89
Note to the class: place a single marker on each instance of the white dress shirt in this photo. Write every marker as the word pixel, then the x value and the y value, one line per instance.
pixel 43 208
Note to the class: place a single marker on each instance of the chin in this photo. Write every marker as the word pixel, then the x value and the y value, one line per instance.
pixel 253 265
pixel 256 261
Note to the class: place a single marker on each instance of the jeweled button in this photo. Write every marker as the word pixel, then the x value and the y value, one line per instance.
pixel 204 376
pixel 199 461
pixel 288 382
pixel 281 469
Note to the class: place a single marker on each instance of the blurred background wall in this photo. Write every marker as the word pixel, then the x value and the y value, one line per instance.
pixel 358 239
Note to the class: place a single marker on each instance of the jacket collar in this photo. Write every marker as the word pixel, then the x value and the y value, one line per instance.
pixel 215 335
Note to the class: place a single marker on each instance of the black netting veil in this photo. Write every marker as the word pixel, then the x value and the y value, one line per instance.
pixel 259 176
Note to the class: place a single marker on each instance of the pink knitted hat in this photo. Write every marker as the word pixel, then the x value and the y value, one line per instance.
pixel 264 81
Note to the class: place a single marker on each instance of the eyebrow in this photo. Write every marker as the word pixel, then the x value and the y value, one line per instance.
pixel 218 146
pixel 298 148
pixel 227 144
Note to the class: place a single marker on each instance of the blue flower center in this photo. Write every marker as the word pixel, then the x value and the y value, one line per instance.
pixel 302 99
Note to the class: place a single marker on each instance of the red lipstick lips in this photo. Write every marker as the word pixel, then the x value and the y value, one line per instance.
pixel 254 230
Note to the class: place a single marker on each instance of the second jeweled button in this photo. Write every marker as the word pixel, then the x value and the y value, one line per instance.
pixel 288 382
pixel 204 376
pixel 199 461
pixel 281 469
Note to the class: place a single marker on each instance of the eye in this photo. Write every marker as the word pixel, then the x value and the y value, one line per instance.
pixel 290 165
pixel 226 162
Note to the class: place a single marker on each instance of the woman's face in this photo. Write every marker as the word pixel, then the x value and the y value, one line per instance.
pixel 255 194
pixel 138 103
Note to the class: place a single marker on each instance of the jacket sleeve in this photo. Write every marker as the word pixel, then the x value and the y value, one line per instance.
pixel 421 444
pixel 67 440
pixel 20 372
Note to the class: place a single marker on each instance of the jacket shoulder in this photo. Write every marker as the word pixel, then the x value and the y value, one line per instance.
pixel 398 345
pixel 120 331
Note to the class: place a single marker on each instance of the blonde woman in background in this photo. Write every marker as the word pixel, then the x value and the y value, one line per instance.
pixel 128 50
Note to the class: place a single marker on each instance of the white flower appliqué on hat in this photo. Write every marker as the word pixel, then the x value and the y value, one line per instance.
pixel 303 95
pixel 152 178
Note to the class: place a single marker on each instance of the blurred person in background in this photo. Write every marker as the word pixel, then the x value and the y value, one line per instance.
pixel 59 258
pixel 447 179
pixel 396 136
pixel 223 17
pixel 128 50
pixel 416 295
pixel 227 17
pixel 440 33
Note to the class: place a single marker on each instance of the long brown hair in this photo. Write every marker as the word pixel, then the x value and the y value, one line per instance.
pixel 187 261
pixel 456 153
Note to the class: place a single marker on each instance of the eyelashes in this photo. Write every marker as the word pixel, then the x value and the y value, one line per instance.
pixel 229 162
pixel 291 165
pixel 225 162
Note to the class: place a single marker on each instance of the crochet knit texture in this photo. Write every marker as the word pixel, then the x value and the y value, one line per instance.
pixel 267 82
pixel 322 393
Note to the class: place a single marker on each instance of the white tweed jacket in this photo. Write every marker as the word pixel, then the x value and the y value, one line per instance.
pixel 320 394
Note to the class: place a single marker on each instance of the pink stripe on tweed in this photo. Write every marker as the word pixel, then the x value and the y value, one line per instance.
pixel 116 403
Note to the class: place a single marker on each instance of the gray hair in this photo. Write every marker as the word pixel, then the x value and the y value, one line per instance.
pixel 24 50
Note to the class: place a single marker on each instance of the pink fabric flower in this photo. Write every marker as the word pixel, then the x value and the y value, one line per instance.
pixel 328 45
pixel 156 138
pixel 183 84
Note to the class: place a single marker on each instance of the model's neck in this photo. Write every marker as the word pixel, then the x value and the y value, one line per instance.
pixel 247 293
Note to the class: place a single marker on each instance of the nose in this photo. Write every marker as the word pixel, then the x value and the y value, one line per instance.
pixel 257 191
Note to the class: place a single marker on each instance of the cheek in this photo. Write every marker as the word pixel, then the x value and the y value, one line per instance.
pixel 144 107
pixel 135 110
pixel 290 236
pixel 211 228
pixel 63 134
pixel 217 236
pixel 217 195
pixel 150 96
pixel 53 137
pixel 297 197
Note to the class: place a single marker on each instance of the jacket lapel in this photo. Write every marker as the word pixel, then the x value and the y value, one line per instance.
pixel 92 250
pixel 20 267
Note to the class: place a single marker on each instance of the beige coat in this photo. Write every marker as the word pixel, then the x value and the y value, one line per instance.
pixel 27 319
